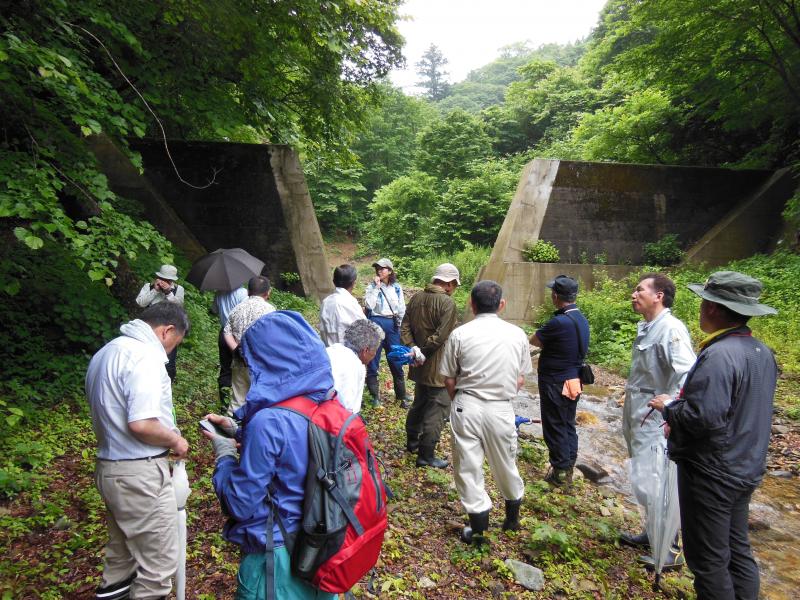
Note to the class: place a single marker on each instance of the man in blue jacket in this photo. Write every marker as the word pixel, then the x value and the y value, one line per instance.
pixel 718 433
pixel 286 359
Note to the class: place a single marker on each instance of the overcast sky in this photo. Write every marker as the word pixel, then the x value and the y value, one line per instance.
pixel 470 32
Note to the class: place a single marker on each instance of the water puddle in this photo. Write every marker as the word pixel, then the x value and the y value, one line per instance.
pixel 774 510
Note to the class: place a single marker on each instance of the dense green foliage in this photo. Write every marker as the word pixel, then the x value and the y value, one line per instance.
pixel 541 251
pixel 210 70
pixel 613 322
pixel 664 252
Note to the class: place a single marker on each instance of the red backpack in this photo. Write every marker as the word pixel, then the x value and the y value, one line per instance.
pixel 344 509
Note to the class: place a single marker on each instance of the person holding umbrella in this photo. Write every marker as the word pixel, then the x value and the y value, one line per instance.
pixel 163 289
pixel 718 432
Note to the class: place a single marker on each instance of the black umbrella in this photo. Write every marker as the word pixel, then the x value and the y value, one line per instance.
pixel 224 270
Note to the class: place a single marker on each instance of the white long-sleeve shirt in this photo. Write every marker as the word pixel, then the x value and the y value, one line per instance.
pixel 338 312
pixel 375 299
pixel 150 295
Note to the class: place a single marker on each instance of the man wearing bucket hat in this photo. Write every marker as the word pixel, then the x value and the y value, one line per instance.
pixel 163 289
pixel 430 317
pixel 718 434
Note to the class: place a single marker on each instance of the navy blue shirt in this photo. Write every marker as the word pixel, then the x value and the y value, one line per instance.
pixel 561 355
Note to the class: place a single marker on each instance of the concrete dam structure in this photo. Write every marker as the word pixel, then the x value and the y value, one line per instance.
pixel 258 201
pixel 613 210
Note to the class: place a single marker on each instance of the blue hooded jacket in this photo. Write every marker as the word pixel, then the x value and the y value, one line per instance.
pixel 286 358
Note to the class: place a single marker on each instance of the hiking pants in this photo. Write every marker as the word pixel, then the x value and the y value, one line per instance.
pixel 142 524
pixel 391 338
pixel 714 522
pixel 240 384
pixel 484 429
pixel 558 425
pixel 425 419
pixel 225 361
pixel 252 584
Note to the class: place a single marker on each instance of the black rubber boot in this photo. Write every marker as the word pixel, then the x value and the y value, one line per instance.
pixel 425 458
pixel 374 391
pixel 400 393
pixel 478 524
pixel 511 522
pixel 636 541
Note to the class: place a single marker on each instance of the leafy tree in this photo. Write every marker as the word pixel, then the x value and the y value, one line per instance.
pixel 641 129
pixel 337 192
pixel 209 69
pixel 387 147
pixel 473 208
pixel 732 65
pixel 433 77
pixel 399 211
pixel 549 101
pixel 447 147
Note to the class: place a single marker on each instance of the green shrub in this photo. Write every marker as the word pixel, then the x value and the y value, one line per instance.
pixel 665 252
pixel 541 251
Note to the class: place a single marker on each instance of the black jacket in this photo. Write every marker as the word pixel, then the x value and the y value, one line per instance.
pixel 721 423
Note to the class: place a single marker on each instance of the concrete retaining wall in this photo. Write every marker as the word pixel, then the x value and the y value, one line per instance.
pixel 258 201
pixel 588 209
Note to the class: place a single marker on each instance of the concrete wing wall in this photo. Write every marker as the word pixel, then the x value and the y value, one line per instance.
pixel 258 201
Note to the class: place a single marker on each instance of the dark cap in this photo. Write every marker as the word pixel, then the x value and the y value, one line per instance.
pixel 564 286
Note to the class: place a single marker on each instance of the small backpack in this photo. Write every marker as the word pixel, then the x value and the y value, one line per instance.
pixel 344 509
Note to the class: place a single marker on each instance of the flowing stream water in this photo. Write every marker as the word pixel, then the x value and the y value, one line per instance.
pixel 774 509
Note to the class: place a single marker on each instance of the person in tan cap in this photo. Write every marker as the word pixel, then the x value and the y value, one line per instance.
pixel 430 317
pixel 718 431
pixel 163 289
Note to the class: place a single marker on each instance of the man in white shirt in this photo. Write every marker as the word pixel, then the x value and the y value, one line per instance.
pixel 362 339
pixel 241 318
pixel 484 365
pixel 130 396
pixel 340 309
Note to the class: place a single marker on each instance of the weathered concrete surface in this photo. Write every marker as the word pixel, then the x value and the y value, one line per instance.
pixel 752 227
pixel 615 209
pixel 258 201
pixel 124 179
pixel 524 284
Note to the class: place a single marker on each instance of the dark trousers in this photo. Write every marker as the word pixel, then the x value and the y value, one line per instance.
pixel 171 370
pixel 714 519
pixel 558 425
pixel 392 337
pixel 425 419
pixel 225 361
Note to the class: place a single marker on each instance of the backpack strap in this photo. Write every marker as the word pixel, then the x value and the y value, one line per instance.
pixel 269 547
pixel 304 407
pixel 581 351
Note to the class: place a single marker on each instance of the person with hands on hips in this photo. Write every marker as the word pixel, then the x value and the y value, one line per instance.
pixel 386 307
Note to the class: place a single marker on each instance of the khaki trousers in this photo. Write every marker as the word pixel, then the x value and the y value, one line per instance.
pixel 482 428
pixel 142 522
pixel 240 384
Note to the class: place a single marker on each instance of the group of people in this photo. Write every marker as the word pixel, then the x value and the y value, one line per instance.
pixel 715 410
pixel 710 413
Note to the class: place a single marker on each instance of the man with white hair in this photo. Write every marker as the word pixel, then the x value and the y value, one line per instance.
pixel 361 342
pixel 430 317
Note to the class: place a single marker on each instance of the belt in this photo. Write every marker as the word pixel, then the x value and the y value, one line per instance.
pixel 162 455
pixel 475 395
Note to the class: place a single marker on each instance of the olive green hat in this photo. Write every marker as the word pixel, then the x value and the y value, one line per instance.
pixel 737 291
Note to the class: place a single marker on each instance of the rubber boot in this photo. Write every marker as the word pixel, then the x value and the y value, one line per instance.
pixel 559 477
pixel 478 524
pixel 635 541
pixel 511 522
pixel 425 458
pixel 374 391
pixel 400 393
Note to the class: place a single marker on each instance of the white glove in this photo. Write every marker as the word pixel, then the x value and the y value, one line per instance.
pixel 419 357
